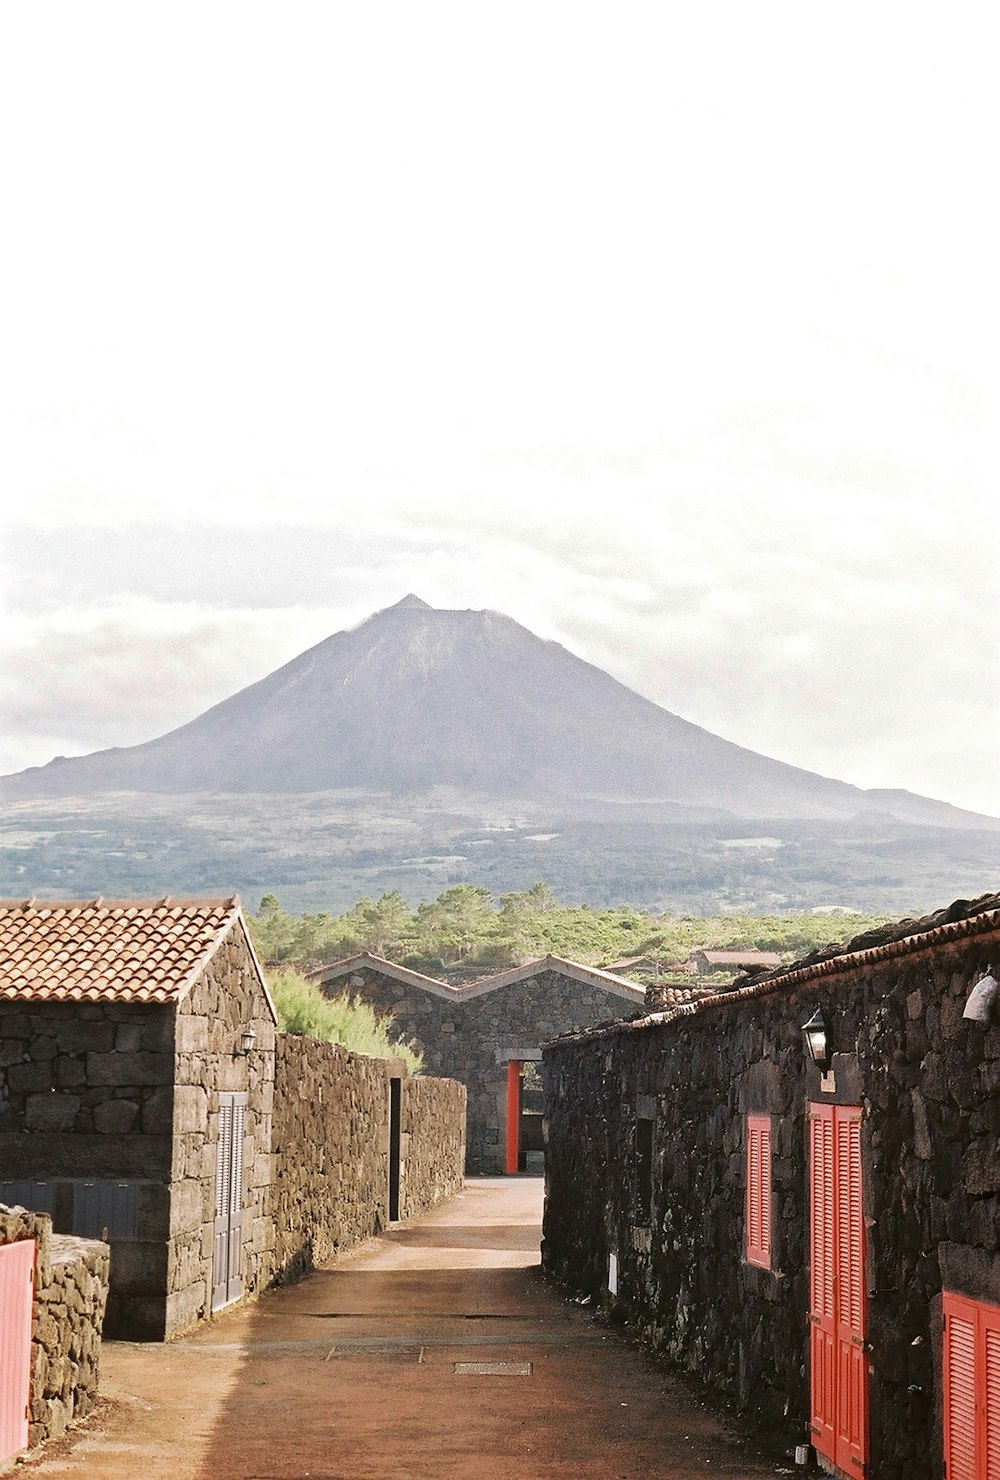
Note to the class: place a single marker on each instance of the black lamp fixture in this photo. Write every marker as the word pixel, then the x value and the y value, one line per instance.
pixel 247 1039
pixel 816 1040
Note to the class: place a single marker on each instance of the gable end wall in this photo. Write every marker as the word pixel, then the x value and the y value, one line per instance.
pixel 471 1039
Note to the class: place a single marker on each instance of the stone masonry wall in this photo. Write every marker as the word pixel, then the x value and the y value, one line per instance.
pixel 432 1142
pixel 331 1150
pixel 929 1085
pixel 331 1146
pixel 226 999
pixel 71 1288
pixel 471 1039
pixel 86 1098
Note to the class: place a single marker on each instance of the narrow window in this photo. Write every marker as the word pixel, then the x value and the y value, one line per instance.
pixel 759 1190
pixel 644 1170
pixel 971 1388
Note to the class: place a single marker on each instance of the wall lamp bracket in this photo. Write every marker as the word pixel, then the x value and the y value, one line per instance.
pixel 817 1040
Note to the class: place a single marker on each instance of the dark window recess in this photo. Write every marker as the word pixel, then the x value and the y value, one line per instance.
pixel 105 1209
pixel 395 1105
pixel 644 1169
pixel 37 1197
pixel 86 1208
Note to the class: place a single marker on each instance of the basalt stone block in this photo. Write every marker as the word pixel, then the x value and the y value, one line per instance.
pixel 120 1069
pixel 50 1112
pixel 981 1166
pixel 87 1037
pixel 29 1078
pixel 128 1037
pixel 190 1108
pixel 116 1117
pixel 158 1111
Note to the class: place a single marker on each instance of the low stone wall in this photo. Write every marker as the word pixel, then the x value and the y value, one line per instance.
pixel 71 1291
pixel 330 1145
pixel 432 1142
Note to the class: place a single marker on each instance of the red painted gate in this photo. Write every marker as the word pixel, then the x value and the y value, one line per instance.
pixel 971 1388
pixel 227 1262
pixel 837 1315
pixel 17 1283
pixel 513 1142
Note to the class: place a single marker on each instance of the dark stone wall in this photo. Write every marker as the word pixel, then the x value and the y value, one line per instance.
pixel 331 1150
pixel 929 1085
pixel 472 1038
pixel 86 1095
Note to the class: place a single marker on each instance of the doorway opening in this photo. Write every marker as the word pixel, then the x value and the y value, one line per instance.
pixel 395 1092
pixel 525 1098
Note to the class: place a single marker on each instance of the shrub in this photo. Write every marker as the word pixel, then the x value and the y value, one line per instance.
pixel 304 1008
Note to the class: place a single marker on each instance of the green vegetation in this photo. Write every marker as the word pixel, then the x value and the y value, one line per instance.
pixel 465 931
pixel 304 1008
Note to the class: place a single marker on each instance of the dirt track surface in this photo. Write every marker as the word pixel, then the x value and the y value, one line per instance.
pixel 357 1373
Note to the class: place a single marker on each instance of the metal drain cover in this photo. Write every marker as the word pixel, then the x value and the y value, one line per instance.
pixel 492 1369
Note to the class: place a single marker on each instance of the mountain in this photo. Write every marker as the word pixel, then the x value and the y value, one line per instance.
pixel 415 698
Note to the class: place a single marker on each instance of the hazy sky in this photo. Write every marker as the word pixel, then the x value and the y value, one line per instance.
pixel 668 329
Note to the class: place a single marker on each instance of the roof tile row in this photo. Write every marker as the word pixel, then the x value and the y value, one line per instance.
pixel 106 950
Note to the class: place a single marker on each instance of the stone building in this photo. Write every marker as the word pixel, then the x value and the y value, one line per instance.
pixel 815 1231
pixel 147 1100
pixel 488 1035
pixel 136 1087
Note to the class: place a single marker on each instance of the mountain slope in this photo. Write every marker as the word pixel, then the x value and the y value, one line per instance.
pixel 415 698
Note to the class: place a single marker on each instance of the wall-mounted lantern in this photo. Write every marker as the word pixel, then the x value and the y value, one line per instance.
pixel 247 1039
pixel 982 999
pixel 817 1041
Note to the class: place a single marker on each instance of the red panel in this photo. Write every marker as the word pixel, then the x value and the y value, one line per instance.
pixel 991 1387
pixel 838 1362
pixel 852 1396
pixel 17 1282
pixel 971 1388
pixel 513 1113
pixel 758 1213
pixel 959 1388
pixel 823 1367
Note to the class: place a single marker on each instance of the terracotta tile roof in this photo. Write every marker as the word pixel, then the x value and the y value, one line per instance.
pixel 107 950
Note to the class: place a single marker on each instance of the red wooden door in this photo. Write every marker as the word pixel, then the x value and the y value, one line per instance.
pixel 17 1284
pixel 513 1142
pixel 227 1260
pixel 971 1376
pixel 838 1363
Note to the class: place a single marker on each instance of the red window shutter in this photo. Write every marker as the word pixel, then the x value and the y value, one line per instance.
pixel 759 1190
pixel 849 1324
pixel 822 1341
pixel 991 1385
pixel 971 1388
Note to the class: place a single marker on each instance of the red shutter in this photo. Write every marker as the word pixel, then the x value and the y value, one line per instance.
pixel 759 1190
pixel 852 1398
pixel 971 1388
pixel 991 1362
pixel 821 1280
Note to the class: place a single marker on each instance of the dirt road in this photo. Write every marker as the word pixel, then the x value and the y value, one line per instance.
pixel 436 1351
